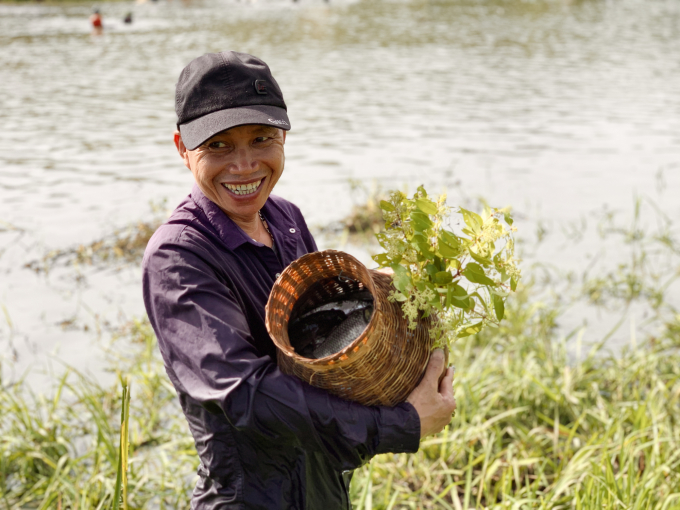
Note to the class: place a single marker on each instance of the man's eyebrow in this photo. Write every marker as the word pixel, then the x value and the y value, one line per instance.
pixel 266 129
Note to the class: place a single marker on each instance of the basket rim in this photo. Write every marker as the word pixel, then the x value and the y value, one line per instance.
pixel 342 355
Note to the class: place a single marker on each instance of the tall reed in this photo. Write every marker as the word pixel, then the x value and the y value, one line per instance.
pixel 121 489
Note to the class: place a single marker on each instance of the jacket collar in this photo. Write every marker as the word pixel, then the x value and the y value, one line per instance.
pixel 284 230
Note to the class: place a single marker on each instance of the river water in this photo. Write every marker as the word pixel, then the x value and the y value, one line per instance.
pixel 560 109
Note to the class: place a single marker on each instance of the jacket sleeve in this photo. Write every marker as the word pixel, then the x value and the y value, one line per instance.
pixel 208 351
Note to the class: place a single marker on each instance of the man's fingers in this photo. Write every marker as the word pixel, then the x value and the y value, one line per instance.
pixel 446 386
pixel 446 390
pixel 434 368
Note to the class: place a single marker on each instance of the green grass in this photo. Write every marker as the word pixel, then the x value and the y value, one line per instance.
pixel 62 450
pixel 533 430
pixel 121 488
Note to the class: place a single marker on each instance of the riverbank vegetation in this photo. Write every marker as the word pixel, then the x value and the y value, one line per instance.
pixel 364 220
pixel 545 419
pixel 122 246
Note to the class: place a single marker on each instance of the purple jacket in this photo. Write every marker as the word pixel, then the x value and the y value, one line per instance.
pixel 265 440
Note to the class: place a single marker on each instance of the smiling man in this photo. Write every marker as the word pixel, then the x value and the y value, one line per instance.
pixel 237 170
pixel 265 440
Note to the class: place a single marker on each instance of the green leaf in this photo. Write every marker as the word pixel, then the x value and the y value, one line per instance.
pixel 400 283
pixel 420 221
pixel 472 220
pixel 458 297
pixel 513 284
pixel 422 244
pixel 426 205
pixel 398 296
pixel 381 259
pixel 449 245
pixel 401 278
pixel 499 291
pixel 448 251
pixel 482 260
pixel 443 278
pixel 454 264
pixel 386 206
pixel 481 300
pixel 508 218
pixel 436 303
pixel 470 330
pixel 431 269
pixel 422 250
pixel 498 306
pixel 475 274
pixel 449 238
pixel 400 270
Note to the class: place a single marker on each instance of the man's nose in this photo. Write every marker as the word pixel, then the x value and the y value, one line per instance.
pixel 244 162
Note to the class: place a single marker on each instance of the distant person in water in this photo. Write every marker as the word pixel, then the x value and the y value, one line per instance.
pixel 128 18
pixel 96 20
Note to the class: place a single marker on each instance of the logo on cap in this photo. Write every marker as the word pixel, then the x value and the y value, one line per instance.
pixel 280 122
pixel 261 87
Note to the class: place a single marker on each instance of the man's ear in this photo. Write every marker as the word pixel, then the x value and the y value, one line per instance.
pixel 181 149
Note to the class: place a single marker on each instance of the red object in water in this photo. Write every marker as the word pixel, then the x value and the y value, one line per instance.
pixel 96 20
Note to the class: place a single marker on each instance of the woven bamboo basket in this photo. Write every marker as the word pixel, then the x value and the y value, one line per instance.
pixel 383 365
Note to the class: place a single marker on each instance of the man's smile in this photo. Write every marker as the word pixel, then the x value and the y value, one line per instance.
pixel 243 189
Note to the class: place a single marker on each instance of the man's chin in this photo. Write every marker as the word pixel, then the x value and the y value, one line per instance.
pixel 241 209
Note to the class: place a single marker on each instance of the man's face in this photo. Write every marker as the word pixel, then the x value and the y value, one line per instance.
pixel 238 168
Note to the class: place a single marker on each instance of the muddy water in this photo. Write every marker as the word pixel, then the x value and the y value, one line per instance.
pixel 557 108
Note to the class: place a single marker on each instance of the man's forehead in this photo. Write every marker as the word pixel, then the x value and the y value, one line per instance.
pixel 249 129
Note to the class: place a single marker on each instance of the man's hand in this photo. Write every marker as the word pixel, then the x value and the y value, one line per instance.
pixel 433 401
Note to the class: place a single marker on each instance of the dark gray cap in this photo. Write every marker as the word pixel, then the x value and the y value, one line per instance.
pixel 219 91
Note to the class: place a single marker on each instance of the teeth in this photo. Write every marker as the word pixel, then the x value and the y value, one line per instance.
pixel 242 189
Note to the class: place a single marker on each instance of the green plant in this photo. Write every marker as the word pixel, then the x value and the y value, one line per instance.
pixel 120 495
pixel 464 278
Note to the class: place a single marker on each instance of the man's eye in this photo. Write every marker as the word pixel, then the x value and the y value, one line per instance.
pixel 217 145
pixel 261 139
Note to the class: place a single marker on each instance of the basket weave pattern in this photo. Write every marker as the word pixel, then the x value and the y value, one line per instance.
pixel 383 365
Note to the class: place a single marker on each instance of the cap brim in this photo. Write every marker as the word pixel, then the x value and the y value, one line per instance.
pixel 197 131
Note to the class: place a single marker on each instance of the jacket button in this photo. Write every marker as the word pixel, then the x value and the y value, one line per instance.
pixel 277 275
pixel 292 230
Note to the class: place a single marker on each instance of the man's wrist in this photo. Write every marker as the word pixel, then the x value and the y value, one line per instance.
pixel 399 429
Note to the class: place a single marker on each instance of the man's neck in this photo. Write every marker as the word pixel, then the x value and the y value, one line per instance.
pixel 254 228
pixel 250 226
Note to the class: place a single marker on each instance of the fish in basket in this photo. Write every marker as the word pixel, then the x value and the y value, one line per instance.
pixel 334 327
